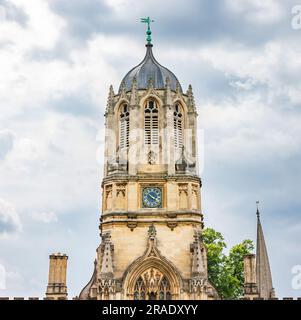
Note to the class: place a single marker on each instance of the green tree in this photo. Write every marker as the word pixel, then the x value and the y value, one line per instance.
pixel 225 271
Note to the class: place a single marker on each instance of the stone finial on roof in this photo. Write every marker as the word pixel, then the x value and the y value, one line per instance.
pixel 190 100
pixel 110 102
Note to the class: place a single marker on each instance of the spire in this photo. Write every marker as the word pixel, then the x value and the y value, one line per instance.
pixel 178 88
pixel 263 271
pixel 110 103
pixel 107 259
pixel 190 102
pixel 199 262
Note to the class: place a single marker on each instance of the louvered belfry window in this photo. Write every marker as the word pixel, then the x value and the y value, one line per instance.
pixel 178 126
pixel 151 123
pixel 124 127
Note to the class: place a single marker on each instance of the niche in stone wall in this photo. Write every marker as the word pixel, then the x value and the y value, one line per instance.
pixel 194 196
pixel 120 196
pixel 108 197
pixel 183 195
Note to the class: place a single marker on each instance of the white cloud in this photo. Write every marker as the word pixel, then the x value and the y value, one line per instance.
pixel 14 281
pixel 2 277
pixel 6 142
pixel 258 11
pixel 42 28
pixel 49 165
pixel 10 223
pixel 45 217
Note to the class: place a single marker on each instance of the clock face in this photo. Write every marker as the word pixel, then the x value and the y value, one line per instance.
pixel 152 197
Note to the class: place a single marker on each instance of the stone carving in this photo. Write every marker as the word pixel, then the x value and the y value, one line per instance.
pixel 183 195
pixel 151 157
pixel 190 101
pixel 152 232
pixel 120 189
pixel 110 102
pixel 199 256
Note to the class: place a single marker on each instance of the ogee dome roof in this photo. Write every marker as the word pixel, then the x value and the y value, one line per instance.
pixel 149 68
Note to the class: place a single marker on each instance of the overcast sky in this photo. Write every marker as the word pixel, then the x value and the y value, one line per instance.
pixel 57 60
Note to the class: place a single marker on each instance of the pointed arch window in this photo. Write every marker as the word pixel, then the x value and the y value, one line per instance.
pixel 106 294
pixel 151 123
pixel 178 126
pixel 124 126
pixel 164 291
pixel 139 292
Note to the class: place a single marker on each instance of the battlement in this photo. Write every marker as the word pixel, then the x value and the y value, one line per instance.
pixel 32 298
pixel 76 298
pixel 58 256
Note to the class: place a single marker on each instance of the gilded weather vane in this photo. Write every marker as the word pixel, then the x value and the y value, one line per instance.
pixel 148 31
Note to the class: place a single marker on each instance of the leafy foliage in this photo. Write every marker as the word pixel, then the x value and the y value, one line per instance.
pixel 225 271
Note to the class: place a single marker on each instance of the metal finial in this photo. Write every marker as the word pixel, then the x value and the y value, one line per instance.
pixel 148 31
pixel 257 212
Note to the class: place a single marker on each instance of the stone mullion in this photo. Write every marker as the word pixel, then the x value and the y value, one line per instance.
pixel 133 140
pixel 114 196
pixel 189 190
pixel 168 142
pixel 192 126
pixel 110 140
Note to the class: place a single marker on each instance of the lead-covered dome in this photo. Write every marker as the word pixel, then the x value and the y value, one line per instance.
pixel 148 69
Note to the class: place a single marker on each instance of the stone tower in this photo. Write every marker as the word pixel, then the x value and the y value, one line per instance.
pixel 57 288
pixel 151 223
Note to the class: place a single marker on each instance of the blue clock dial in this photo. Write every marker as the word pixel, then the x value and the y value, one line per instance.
pixel 152 197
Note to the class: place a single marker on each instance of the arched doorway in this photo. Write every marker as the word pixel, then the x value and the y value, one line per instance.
pixel 152 279
pixel 151 276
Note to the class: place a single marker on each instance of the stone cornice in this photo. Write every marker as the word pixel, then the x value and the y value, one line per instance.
pixel 150 177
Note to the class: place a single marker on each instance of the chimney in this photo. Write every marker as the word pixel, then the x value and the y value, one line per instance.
pixel 250 285
pixel 57 288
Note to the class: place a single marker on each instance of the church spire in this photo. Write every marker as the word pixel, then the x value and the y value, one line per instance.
pixel 263 271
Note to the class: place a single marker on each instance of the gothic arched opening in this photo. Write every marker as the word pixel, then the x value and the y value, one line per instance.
pixel 152 285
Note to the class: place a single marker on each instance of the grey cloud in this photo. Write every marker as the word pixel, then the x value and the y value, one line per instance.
pixel 76 105
pixel 198 21
pixel 186 26
pixel 9 219
pixel 7 225
pixel 13 13
pixel 6 143
pixel 83 17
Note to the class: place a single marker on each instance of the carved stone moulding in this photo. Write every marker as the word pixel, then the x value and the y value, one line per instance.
pixel 172 225
pixel 132 225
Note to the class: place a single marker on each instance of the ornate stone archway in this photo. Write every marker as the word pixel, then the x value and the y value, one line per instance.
pixel 152 276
